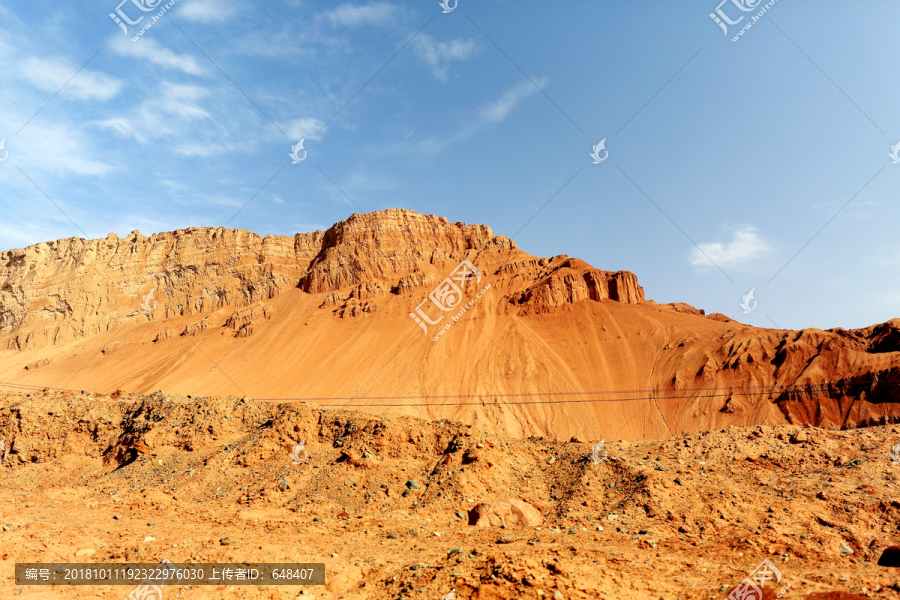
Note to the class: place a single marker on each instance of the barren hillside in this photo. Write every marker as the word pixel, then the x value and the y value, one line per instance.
pixel 395 313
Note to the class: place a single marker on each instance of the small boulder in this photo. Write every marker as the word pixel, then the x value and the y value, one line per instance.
pixel 510 513
pixel 799 437
pixel 890 557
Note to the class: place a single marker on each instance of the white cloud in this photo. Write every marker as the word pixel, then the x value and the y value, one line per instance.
pixel 124 128
pixel 745 246
pixel 437 55
pixel 497 111
pixel 149 49
pixel 56 148
pixel 362 181
pixel 349 15
pixel 208 11
pixel 169 113
pixel 307 128
pixel 50 75
pixel 277 199
pixel 488 115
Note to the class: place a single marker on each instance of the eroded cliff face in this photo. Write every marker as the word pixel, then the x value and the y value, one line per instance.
pixel 563 280
pixel 56 292
pixel 392 245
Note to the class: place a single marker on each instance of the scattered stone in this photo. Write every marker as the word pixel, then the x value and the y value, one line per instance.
pixel 227 541
pixel 799 437
pixel 460 514
pixel 84 552
pixel 845 549
pixel 507 539
pixel 511 512
pixel 413 485
pixel 393 536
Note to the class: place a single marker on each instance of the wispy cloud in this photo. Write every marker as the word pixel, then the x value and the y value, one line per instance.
pixel 166 113
pixel 152 51
pixel 498 111
pixel 438 55
pixel 745 246
pixel 58 148
pixel 363 181
pixel 307 128
pixel 491 114
pixel 49 75
pixel 208 11
pixel 350 15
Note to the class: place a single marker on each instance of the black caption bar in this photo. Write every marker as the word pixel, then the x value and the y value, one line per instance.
pixel 159 575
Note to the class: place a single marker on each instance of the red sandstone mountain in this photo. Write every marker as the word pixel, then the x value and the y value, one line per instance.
pixel 541 345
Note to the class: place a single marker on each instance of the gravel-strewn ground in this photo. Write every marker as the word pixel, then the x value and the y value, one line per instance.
pixel 146 478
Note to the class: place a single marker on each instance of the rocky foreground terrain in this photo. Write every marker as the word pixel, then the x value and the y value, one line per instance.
pixel 387 502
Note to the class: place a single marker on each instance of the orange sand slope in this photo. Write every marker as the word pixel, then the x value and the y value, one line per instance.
pixel 548 346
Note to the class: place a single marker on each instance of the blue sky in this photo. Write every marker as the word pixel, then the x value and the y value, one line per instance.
pixel 734 152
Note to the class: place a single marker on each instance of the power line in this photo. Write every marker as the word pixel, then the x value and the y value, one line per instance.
pixel 727 391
